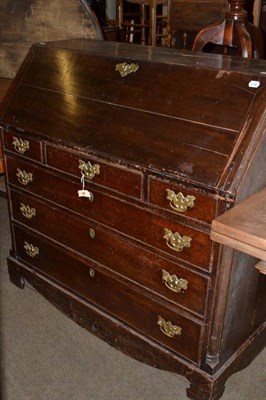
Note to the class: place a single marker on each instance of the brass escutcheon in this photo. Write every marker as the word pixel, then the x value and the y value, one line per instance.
pixel 176 242
pixel 27 211
pixel 31 250
pixel 174 283
pixel 20 145
pixel 92 233
pixel 92 273
pixel 125 68
pixel 179 202
pixel 89 170
pixel 168 328
pixel 23 177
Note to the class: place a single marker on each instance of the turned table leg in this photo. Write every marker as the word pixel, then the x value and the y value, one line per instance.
pixel 235 30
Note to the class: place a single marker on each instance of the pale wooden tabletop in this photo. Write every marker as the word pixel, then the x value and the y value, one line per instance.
pixel 244 226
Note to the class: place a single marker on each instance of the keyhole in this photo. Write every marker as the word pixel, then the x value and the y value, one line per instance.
pixel 92 273
pixel 92 233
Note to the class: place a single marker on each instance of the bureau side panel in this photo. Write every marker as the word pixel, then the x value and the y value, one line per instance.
pixel 241 305
pixel 246 301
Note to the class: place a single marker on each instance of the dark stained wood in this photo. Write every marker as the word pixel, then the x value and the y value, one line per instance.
pixel 113 213
pixel 139 90
pixel 242 308
pixel 133 261
pixel 191 122
pixel 188 17
pixel 133 343
pixel 133 125
pixel 112 177
pixel 192 15
pixel 25 22
pixel 115 296
pixel 4 85
pixel 34 150
pixel 204 207
pixel 140 144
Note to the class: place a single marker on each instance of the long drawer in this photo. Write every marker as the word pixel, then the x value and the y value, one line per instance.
pixel 163 234
pixel 153 318
pixel 174 282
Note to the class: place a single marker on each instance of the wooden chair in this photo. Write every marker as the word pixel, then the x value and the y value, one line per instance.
pixel 235 32
pixel 188 18
pixel 148 23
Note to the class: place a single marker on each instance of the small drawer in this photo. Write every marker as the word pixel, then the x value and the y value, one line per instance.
pixel 180 200
pixel 95 171
pixel 170 280
pixel 149 316
pixel 23 146
pixel 161 233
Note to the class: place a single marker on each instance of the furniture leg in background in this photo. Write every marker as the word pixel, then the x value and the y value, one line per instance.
pixel 234 31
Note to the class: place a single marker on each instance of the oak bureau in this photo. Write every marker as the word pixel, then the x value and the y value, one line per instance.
pixel 118 157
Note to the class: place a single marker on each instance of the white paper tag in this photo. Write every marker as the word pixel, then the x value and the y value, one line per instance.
pixel 84 193
pixel 254 84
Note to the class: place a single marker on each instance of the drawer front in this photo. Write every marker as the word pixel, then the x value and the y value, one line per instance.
pixel 142 225
pixel 181 201
pixel 98 172
pixel 174 282
pixel 22 146
pixel 116 297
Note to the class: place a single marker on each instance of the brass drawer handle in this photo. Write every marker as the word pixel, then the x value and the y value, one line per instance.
pixel 23 177
pixel 179 202
pixel 89 170
pixel 174 283
pixel 168 328
pixel 27 211
pixel 20 145
pixel 31 250
pixel 176 242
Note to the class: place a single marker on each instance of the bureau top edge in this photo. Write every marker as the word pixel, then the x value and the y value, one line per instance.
pixel 161 55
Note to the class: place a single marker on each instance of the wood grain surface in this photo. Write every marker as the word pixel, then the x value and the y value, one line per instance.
pixel 244 226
